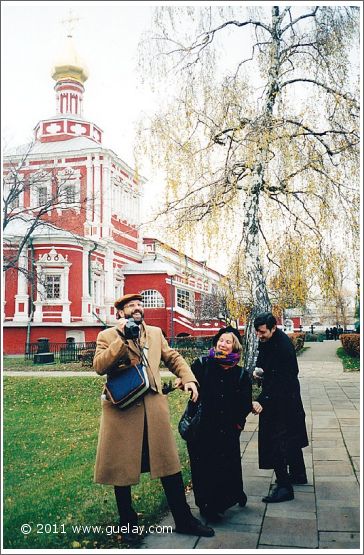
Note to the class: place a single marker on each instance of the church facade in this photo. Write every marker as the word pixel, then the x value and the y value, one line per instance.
pixel 71 241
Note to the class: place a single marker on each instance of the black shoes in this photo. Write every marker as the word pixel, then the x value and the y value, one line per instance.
pixel 279 494
pixel 243 500
pixel 194 527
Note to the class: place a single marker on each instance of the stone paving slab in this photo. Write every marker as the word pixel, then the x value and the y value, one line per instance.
pixel 233 539
pixel 332 468
pixel 295 532
pixel 334 489
pixel 338 540
pixel 330 454
pixel 303 503
pixel 338 519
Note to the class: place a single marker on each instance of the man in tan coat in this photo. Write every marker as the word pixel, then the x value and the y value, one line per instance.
pixel 139 438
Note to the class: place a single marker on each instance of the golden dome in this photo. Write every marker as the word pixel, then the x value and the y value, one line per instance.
pixel 69 65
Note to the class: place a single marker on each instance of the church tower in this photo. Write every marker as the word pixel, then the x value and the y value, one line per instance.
pixel 70 74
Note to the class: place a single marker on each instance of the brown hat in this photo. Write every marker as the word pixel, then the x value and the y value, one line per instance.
pixel 119 303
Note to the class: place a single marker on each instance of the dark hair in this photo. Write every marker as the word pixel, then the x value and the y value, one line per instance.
pixel 265 318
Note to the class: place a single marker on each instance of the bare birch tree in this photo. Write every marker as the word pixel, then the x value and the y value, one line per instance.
pixel 267 147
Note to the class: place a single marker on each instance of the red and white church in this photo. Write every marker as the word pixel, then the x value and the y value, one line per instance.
pixel 89 251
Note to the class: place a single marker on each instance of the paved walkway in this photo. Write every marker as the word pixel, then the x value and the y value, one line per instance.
pixel 325 513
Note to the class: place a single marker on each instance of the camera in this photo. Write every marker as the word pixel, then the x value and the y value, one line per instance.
pixel 131 329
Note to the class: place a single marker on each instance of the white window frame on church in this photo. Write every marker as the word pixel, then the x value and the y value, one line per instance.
pixel 52 264
pixel 38 183
pixel 185 300
pixel 45 273
pixel 52 286
pixel 69 184
pixel 118 283
pixel 153 299
pixel 98 284
pixel 9 185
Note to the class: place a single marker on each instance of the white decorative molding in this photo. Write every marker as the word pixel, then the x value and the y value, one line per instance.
pixel 53 258
pixel 78 129
pixel 52 263
pixel 97 267
pixel 53 128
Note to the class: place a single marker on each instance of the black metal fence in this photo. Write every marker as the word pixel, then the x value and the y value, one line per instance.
pixel 189 347
pixel 62 352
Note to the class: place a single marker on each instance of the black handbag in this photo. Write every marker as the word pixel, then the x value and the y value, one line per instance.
pixel 189 426
pixel 128 385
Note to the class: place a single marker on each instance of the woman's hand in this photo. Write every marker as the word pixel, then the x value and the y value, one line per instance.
pixel 256 407
pixel 191 386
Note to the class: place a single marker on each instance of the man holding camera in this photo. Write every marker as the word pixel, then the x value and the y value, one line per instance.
pixel 139 438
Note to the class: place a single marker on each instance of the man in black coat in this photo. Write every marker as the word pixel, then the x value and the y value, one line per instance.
pixel 282 428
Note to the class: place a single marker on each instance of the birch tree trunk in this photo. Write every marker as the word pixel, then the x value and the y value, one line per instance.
pixel 251 236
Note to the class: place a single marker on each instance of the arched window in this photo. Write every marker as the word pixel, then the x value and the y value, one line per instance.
pixel 152 299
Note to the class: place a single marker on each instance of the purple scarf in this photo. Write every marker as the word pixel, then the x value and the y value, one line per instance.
pixel 226 360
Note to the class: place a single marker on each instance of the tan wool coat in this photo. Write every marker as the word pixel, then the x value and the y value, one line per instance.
pixel 119 449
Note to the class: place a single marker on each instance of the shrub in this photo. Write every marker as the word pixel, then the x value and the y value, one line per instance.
pixel 86 357
pixel 310 337
pixel 351 344
pixel 298 340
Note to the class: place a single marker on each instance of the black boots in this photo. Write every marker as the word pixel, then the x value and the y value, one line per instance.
pixel 186 523
pixel 173 487
pixel 279 494
pixel 194 527
pixel 128 517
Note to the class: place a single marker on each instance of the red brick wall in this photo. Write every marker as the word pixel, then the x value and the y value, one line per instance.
pixel 15 338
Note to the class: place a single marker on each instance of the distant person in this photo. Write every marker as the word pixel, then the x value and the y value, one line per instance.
pixel 139 438
pixel 340 331
pixel 226 397
pixel 327 333
pixel 282 429
pixel 334 333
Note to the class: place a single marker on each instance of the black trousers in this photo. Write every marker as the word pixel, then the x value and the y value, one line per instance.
pixel 176 498
pixel 296 465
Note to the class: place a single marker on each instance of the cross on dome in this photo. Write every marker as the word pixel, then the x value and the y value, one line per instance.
pixel 70 22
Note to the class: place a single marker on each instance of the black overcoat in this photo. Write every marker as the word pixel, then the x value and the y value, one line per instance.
pixel 282 427
pixel 226 397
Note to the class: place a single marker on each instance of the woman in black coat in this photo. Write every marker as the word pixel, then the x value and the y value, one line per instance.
pixel 226 398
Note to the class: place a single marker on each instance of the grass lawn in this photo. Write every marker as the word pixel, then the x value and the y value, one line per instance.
pixel 50 438
pixel 18 363
pixel 350 364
